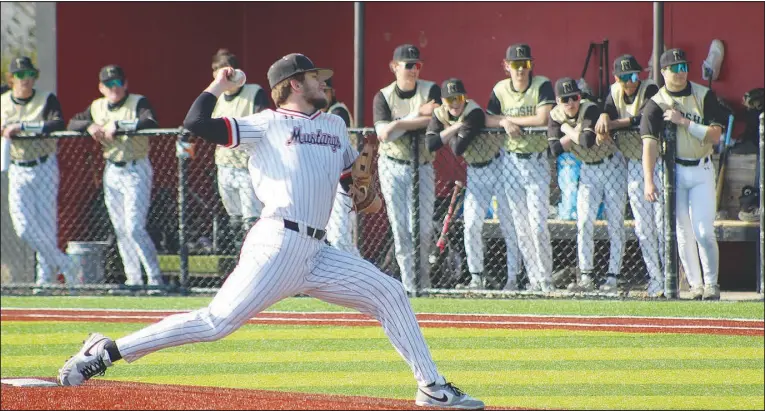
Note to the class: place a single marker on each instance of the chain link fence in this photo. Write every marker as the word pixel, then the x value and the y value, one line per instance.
pixel 498 204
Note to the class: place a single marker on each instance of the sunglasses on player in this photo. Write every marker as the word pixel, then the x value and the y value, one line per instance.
pixel 626 78
pixel 520 64
pixel 411 65
pixel 114 83
pixel 566 99
pixel 25 74
pixel 459 99
pixel 679 68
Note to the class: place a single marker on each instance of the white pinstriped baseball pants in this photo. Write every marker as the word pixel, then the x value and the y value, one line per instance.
pixel 649 217
pixel 276 263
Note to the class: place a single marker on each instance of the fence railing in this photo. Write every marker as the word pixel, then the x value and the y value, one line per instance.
pixel 497 228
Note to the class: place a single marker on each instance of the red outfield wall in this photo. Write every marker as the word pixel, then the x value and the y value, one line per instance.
pixel 166 47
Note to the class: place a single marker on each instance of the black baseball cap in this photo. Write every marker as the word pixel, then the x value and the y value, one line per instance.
pixel 626 64
pixel 111 72
pixel 407 53
pixel 566 86
pixel 292 64
pixel 520 51
pixel 22 63
pixel 672 56
pixel 452 87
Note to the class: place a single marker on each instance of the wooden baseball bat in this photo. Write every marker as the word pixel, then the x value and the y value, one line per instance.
pixel 723 165
pixel 458 187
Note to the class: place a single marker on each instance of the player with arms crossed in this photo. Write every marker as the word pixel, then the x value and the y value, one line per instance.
pixel 458 123
pixel 695 111
pixel 402 112
pixel 603 178
pixel 624 104
pixel 525 100
pixel 298 156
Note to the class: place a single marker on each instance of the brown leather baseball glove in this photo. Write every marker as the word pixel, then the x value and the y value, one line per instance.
pixel 364 173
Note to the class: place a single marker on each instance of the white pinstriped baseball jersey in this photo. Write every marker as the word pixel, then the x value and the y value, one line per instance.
pixel 296 161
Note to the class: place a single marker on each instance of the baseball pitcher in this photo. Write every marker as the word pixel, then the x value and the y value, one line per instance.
pixel 299 154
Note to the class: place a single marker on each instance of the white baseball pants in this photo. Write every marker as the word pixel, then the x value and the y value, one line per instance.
pixel 696 208
pixel 605 182
pixel 276 263
pixel 236 192
pixel 482 184
pixel 396 186
pixel 33 207
pixel 649 217
pixel 127 193
pixel 528 192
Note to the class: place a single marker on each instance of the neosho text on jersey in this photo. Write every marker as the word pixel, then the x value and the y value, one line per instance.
pixel 521 111
pixel 317 138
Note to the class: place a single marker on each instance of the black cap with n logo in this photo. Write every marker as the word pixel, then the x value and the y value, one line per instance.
pixel 566 86
pixel 672 56
pixel 520 51
pixel 626 64
pixel 452 87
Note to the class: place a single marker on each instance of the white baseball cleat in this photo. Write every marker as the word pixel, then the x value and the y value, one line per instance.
pixel 655 288
pixel 446 396
pixel 91 360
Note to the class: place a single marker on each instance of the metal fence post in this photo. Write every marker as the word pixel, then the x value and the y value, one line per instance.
pixel 183 250
pixel 761 157
pixel 416 209
pixel 671 283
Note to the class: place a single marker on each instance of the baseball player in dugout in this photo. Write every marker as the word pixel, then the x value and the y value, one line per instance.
pixel 402 111
pixel 525 100
pixel 603 179
pixel 457 123
pixel 696 114
pixel 299 154
pixel 341 221
pixel 623 108
pixel 128 173
pixel 234 185
pixel 33 171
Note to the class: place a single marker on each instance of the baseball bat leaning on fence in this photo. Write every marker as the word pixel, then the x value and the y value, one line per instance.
pixel 723 167
pixel 453 206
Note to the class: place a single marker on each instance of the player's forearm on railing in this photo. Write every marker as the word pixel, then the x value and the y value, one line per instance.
pixel 146 117
pixel 81 121
pixel 199 122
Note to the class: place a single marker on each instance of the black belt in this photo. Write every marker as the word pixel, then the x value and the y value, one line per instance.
pixel 485 163
pixel 32 163
pixel 691 163
pixel 312 232
pixel 526 156
pixel 594 163
pixel 122 163
pixel 404 162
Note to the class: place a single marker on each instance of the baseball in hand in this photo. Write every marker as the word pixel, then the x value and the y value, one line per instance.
pixel 238 77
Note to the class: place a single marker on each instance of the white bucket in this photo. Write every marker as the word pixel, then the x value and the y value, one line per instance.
pixel 90 256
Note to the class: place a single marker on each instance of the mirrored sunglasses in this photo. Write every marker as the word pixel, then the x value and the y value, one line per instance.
pixel 519 64
pixel 679 68
pixel 459 99
pixel 625 78
pixel 25 74
pixel 114 83
pixel 569 98
pixel 411 65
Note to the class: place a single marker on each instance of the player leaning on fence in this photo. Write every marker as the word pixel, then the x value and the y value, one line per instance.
pixel 698 117
pixel 525 100
pixel 128 173
pixel 458 123
pixel 33 173
pixel 402 111
pixel 234 185
pixel 623 107
pixel 603 178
